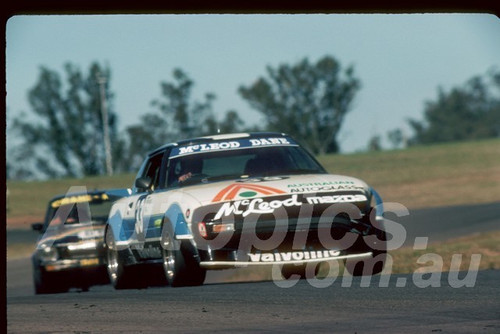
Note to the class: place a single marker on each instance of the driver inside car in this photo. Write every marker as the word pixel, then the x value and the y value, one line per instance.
pixel 189 167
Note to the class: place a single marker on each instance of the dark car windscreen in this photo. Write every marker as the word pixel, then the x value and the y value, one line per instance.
pixel 75 212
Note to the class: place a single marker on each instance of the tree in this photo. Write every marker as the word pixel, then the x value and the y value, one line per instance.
pixel 15 165
pixel 307 101
pixel 463 113
pixel 64 134
pixel 177 116
pixel 374 143
pixel 186 117
pixel 150 133
pixel 395 137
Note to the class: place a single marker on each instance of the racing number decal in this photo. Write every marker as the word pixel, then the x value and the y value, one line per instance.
pixel 139 217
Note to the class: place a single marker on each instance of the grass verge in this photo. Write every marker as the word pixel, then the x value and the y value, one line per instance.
pixel 428 176
pixel 27 201
pixel 19 250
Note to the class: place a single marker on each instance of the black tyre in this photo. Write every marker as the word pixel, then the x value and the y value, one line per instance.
pixel 120 275
pixel 375 264
pixel 47 282
pixel 181 269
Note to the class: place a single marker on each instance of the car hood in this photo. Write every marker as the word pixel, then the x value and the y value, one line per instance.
pixel 271 186
pixel 71 233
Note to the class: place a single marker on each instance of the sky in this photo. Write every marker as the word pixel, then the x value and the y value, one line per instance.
pixel 401 59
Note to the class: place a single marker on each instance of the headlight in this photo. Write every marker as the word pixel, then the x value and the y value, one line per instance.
pixel 209 230
pixel 48 253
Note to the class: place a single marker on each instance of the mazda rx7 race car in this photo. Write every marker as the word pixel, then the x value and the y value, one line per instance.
pixel 70 252
pixel 230 201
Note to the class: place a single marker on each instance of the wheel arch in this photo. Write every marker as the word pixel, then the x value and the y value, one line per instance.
pixel 176 222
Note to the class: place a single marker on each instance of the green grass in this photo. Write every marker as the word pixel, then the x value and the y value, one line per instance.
pixel 29 199
pixel 437 175
pixel 486 244
pixel 427 176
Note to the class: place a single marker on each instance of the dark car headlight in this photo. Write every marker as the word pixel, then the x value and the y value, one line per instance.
pixel 48 253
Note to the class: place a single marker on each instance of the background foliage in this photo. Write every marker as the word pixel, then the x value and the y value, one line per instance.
pixel 62 134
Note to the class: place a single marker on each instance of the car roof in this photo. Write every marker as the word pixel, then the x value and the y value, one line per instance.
pixel 208 139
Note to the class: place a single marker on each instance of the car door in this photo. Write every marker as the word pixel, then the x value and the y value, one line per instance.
pixel 139 202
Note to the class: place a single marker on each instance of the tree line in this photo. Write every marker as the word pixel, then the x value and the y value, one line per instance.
pixel 63 134
pixel 466 112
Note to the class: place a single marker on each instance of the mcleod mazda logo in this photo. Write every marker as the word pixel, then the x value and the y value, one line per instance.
pixel 245 190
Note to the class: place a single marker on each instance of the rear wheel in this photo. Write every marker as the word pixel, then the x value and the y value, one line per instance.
pixel 181 269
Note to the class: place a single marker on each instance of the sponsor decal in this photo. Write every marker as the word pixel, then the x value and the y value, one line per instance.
pixel 256 205
pixel 150 251
pixel 269 141
pixel 248 194
pixel 263 179
pixel 89 262
pixel 336 199
pixel 91 233
pixel 323 186
pixel 293 256
pixel 229 145
pixel 246 207
pixel 233 190
pixel 317 184
pixel 78 199
pixel 208 147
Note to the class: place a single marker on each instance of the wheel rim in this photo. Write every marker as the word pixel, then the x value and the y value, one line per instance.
pixel 168 257
pixel 112 257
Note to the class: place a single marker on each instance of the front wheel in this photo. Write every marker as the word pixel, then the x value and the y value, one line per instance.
pixel 181 269
pixel 367 267
pixel 47 282
pixel 375 264
pixel 120 276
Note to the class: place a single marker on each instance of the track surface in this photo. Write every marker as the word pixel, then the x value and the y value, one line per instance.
pixel 258 307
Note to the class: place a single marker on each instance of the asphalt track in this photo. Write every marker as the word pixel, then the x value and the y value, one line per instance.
pixel 386 304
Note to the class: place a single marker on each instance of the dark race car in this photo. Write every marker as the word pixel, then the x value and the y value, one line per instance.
pixel 70 252
pixel 240 200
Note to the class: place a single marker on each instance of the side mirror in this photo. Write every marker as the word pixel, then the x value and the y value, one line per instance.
pixel 143 183
pixel 37 227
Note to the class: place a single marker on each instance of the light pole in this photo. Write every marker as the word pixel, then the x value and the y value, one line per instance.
pixel 104 111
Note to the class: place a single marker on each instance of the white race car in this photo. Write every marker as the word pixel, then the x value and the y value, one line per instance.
pixel 230 201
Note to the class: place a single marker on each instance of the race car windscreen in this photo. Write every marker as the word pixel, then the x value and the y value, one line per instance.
pixel 77 210
pixel 230 164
